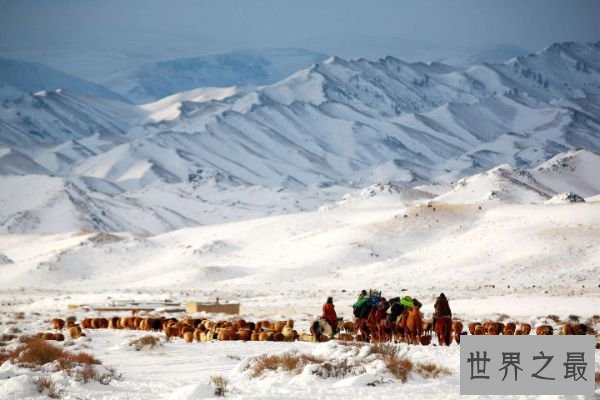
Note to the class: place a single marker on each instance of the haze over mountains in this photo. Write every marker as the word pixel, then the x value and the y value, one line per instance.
pixel 211 154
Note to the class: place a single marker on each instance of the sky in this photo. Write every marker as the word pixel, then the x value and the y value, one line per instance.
pixel 145 29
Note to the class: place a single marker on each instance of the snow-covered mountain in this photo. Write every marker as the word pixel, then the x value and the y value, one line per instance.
pixel 20 77
pixel 153 81
pixel 335 123
pixel 573 171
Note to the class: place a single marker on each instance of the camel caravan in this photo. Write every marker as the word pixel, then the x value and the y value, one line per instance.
pixel 376 320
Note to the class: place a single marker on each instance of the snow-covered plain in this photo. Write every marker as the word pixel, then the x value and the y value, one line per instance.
pixel 491 257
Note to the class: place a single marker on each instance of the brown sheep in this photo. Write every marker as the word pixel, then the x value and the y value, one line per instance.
pixel 58 324
pixel 345 337
pixel 278 326
pixel 75 332
pixel 349 327
pixel 47 336
pixel 288 333
pixel 113 323
pixel 472 327
pixel 254 336
pixel 518 332
pixel 580 329
pixel 526 329
pixel 457 328
pixel 244 334
pixel 188 337
pixel 59 337
pixel 197 333
pixel 171 331
pixel 509 329
pixel 544 330
pixel 479 330
pixel 566 329
pixel 86 323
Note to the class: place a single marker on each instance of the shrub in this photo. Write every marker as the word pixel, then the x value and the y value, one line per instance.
pixel 574 318
pixel 82 358
pixel 503 317
pixel 335 369
pixel 385 349
pixel 554 318
pixel 27 338
pixel 220 384
pixel 148 341
pixel 288 362
pixel 44 383
pixel 399 367
pixel 37 352
pixel 86 374
pixel 431 370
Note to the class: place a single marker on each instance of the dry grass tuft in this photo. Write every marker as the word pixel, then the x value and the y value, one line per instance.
pixel 399 367
pixel 148 341
pixel 27 338
pixel 335 369
pixel 220 384
pixel 385 349
pixel 81 366
pixel 45 384
pixel 597 377
pixel 37 352
pixel 554 318
pixel 288 362
pixel 431 370
pixel 87 374
pixel 83 358
pixel 503 317
pixel 574 318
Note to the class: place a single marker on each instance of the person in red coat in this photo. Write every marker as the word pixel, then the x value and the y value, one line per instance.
pixel 329 314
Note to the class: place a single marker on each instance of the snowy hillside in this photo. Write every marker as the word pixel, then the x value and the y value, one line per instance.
pixel 20 77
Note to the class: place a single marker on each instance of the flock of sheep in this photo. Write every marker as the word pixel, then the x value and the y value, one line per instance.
pixel 204 330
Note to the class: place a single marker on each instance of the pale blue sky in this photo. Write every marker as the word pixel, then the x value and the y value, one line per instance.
pixel 344 27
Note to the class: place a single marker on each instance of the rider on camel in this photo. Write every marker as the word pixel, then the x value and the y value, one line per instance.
pixel 441 308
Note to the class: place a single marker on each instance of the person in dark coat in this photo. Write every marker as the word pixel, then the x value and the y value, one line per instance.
pixel 396 310
pixel 441 308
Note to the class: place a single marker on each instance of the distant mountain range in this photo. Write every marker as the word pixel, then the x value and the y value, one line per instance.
pixel 328 128
pixel 20 77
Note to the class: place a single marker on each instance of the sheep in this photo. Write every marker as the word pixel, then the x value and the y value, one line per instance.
pixel 58 324
pixel 75 332
pixel 544 330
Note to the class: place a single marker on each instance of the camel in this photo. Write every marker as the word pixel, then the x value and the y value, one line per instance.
pixel 414 325
pixel 443 330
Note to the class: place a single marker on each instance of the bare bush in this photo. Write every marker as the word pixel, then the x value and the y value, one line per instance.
pixel 45 384
pixel 288 362
pixel 335 369
pixel 431 370
pixel 385 349
pixel 147 341
pixel 574 318
pixel 220 384
pixel 554 318
pixel 37 352
pixel 399 367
